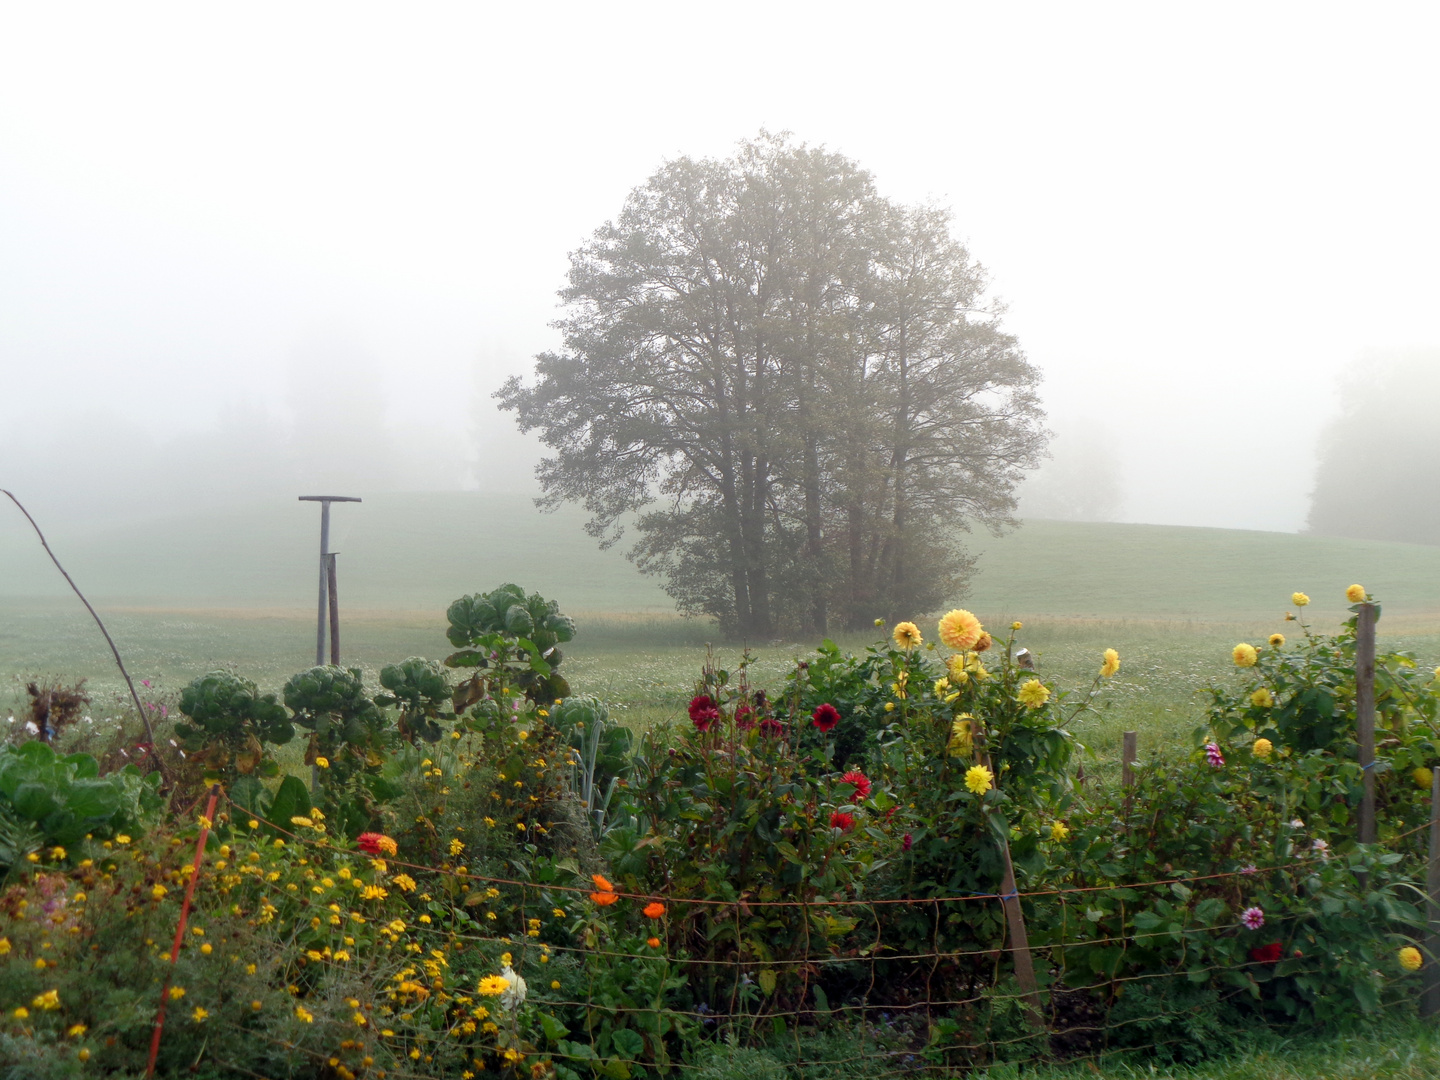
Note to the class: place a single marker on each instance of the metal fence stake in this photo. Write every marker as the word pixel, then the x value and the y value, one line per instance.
pixel 1430 984
pixel 1365 714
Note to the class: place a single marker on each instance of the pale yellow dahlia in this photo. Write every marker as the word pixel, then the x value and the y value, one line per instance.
pixel 961 735
pixel 1299 599
pixel 1355 594
pixel 1262 698
pixel 959 630
pixel 1410 958
pixel 1262 748
pixel 1277 641
pixel 1111 664
pixel 1244 655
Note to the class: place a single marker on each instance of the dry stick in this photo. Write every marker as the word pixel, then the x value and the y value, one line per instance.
pixel 139 709
pixel 180 929
pixel 1365 714
pixel 1430 992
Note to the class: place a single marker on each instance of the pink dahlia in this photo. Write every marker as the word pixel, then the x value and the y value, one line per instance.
pixel 1213 755
pixel 1253 918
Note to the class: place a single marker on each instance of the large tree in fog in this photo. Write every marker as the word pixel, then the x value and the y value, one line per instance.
pixel 1378 472
pixel 776 370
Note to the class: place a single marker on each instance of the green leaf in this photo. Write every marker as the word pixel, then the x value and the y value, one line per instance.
pixel 554 1029
pixel 629 1043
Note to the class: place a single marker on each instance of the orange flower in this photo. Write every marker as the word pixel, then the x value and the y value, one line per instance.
pixel 601 883
pixel 653 942
pixel 604 899
pixel 655 910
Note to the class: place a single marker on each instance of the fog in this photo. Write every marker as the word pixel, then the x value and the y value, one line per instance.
pixel 250 252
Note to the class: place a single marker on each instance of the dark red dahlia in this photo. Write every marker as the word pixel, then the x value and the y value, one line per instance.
pixel 843 822
pixel 771 728
pixel 825 717
pixel 906 842
pixel 859 781
pixel 1266 954
pixel 744 718
pixel 703 712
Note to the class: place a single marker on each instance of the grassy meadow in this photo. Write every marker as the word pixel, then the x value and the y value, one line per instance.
pixel 182 596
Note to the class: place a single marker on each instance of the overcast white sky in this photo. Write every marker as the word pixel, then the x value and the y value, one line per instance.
pixel 1198 214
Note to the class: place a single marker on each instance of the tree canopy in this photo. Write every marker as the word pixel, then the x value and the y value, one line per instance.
pixel 792 385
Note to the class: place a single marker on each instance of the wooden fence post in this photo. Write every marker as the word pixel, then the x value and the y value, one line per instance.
pixel 1128 756
pixel 1019 939
pixel 1430 992
pixel 1365 714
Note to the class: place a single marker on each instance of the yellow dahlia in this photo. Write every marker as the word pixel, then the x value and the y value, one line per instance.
pixel 1033 693
pixel 1111 664
pixel 907 635
pixel 1355 594
pixel 1410 958
pixel 959 630
pixel 1299 599
pixel 961 735
pixel 1244 655
pixel 979 779
pixel 1262 748
pixel 1277 641
pixel 1262 698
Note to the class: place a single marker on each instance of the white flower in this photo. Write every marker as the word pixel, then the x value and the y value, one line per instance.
pixel 1297 824
pixel 514 995
pixel 1321 848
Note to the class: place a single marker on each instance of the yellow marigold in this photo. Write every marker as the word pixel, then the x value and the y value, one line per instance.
pixel 1277 641
pixel 1262 748
pixel 493 985
pixel 961 735
pixel 1422 776
pixel 46 1001
pixel 75 1031
pixel 158 891
pixel 1033 693
pixel 1410 958
pixel 303 1014
pixel 404 882
pixel 1262 698
pixel 979 779
pixel 199 1015
pixel 322 762
pixel 907 635
pixel 301 820
pixel 1059 831
pixel 1299 599
pixel 1355 594
pixel 1111 663
pixel 959 630
pixel 456 847
pixel 1244 655
pixel 176 993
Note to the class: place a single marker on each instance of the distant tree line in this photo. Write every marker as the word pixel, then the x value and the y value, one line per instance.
pixel 1378 470
pixel 786 383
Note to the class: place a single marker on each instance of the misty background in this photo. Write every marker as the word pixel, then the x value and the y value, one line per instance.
pixel 247 254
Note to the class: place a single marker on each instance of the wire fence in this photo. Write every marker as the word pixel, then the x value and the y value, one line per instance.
pixel 901 1007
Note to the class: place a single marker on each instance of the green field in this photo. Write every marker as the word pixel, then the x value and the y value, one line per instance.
pixel 184 595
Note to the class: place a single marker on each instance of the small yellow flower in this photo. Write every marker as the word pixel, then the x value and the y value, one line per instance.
pixel 962 734
pixel 1033 693
pixel 302 820
pixel 4 945
pixel 252 823
pixel 1262 748
pixel 1355 594
pixel 176 993
pixel 158 891
pixel 76 1030
pixel 907 635
pixel 46 1001
pixel 204 822
pixel 493 985
pixel 1262 698
pixel 942 686
pixel 1244 655
pixel 303 1014
pixel 1409 957
pixel 889 706
pixel 1277 641
pixel 21 1013
pixel 403 882
pixel 199 1015
pixel 1299 599
pixel 1016 625
pixel 1111 663
pixel 1059 831
pixel 57 853
pixel 456 847
pixel 979 779
pixel 206 950
pixel 322 762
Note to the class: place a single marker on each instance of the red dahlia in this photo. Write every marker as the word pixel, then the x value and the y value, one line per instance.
pixel 825 717
pixel 859 781
pixel 1266 954
pixel 771 728
pixel 703 712
pixel 843 822
pixel 744 717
